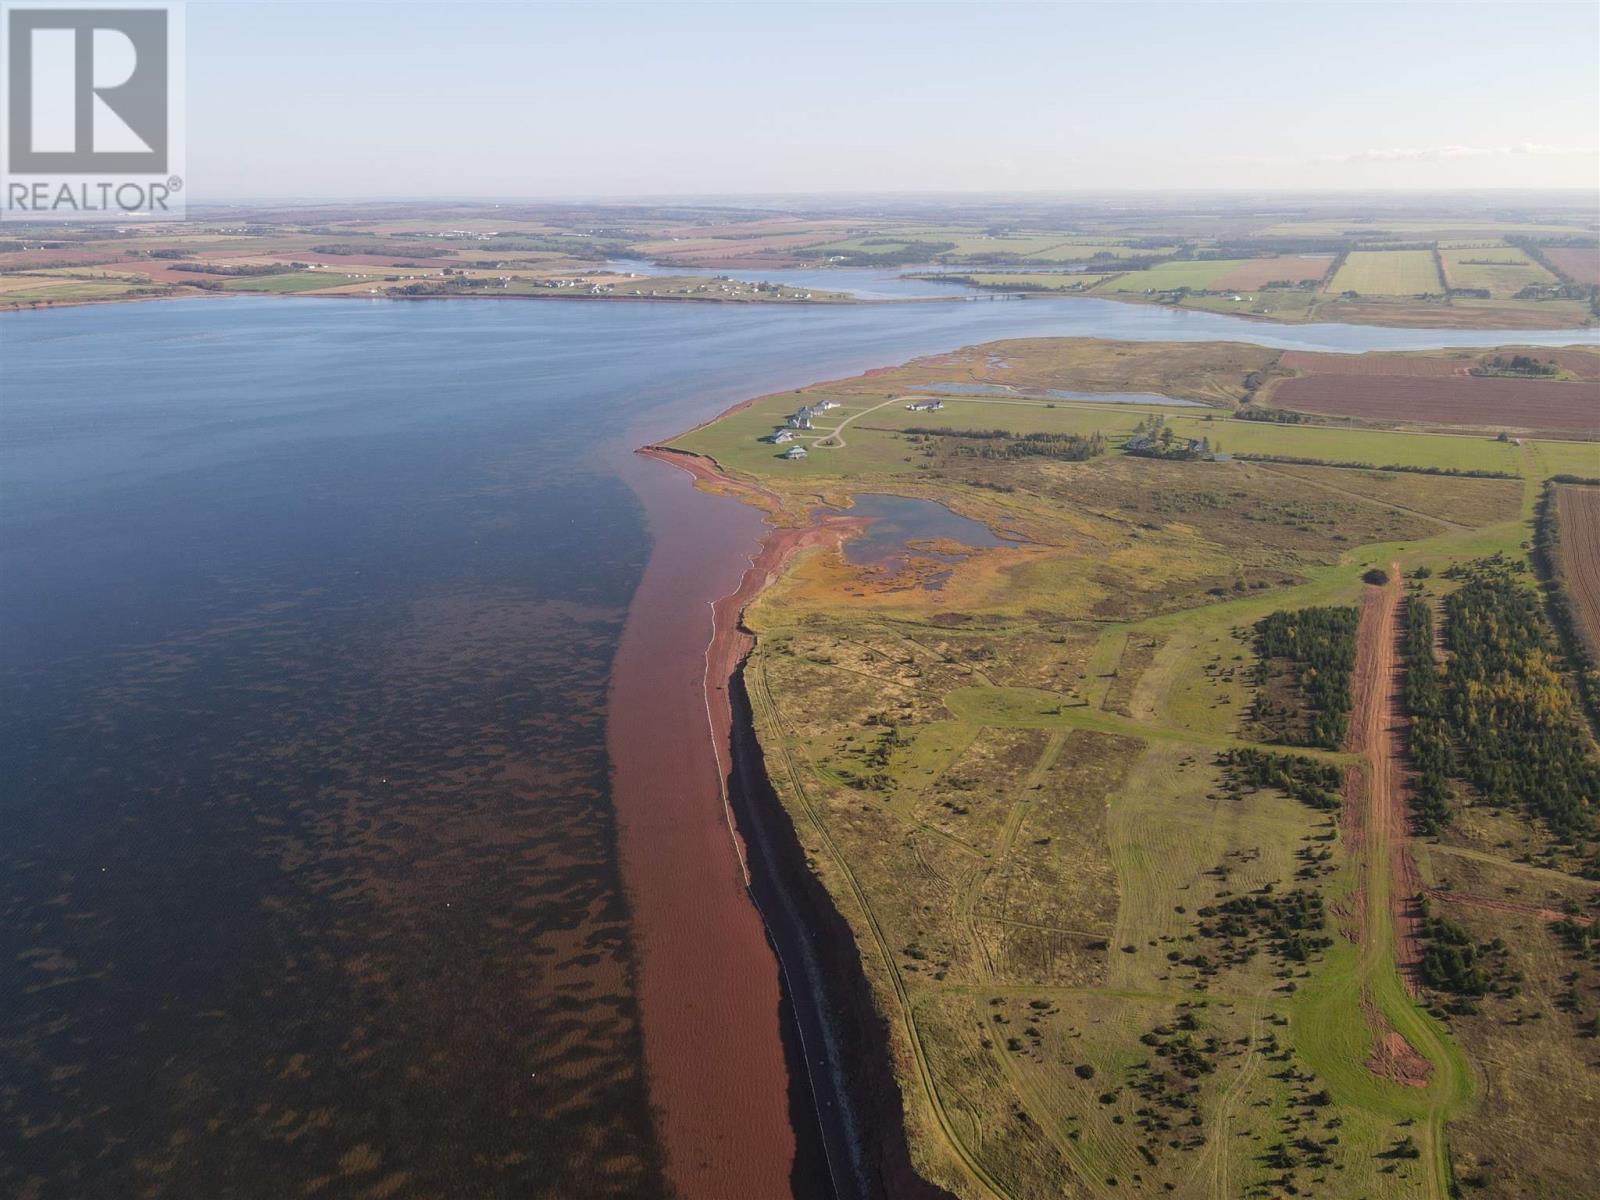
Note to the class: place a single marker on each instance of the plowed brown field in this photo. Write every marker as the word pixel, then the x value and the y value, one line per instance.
pixel 1525 404
pixel 1308 363
pixel 1578 516
pixel 1582 263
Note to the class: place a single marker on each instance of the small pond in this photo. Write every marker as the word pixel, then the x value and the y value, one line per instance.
pixel 898 523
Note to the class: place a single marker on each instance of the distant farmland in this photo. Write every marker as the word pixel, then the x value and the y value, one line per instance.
pixel 1259 272
pixel 1388 273
pixel 1578 559
pixel 1580 263
pixel 1578 361
pixel 1495 403
pixel 1585 364
pixel 1199 273
pixel 1308 363
pixel 1502 271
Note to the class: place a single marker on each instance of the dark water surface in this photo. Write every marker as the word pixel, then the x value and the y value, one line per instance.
pixel 900 525
pixel 308 881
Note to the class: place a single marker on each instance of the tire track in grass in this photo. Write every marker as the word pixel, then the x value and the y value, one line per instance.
pixel 766 707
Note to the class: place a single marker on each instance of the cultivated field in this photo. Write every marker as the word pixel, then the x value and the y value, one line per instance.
pixel 1503 272
pixel 1495 403
pixel 1438 364
pixel 1258 272
pixel 1578 563
pixel 1198 274
pixel 1388 273
pixel 1580 264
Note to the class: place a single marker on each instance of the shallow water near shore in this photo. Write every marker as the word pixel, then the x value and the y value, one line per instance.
pixel 307 624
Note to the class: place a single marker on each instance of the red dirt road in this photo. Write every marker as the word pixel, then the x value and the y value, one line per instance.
pixel 707 979
pixel 1376 725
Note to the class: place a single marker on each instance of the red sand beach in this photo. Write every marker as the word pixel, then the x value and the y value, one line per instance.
pixel 707 978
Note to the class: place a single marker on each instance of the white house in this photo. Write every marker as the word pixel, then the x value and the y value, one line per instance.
pixel 779 436
pixel 795 452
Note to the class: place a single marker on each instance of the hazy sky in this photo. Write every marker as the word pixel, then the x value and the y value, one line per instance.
pixel 524 99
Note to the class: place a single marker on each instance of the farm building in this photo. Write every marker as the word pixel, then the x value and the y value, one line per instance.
pixel 925 406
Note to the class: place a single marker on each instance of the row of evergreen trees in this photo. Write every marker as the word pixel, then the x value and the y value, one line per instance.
pixel 1305 779
pixel 1451 961
pixel 1432 751
pixel 1519 734
pixel 1320 644
pixel 1002 443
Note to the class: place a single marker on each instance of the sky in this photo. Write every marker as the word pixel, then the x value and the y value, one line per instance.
pixel 380 98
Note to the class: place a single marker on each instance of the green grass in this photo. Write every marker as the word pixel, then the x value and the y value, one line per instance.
pixel 1075 251
pixel 71 291
pixel 292 281
pixel 1333 444
pixel 1041 281
pixel 1284 304
pixel 1388 273
pixel 1503 271
pixel 1166 276
pixel 735 440
pixel 1565 458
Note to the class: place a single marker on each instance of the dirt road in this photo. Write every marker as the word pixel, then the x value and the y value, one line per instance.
pixel 1377 725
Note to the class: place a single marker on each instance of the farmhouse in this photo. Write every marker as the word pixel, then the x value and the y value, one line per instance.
pixel 925 406
pixel 800 419
pixel 794 452
pixel 823 405
pixel 779 436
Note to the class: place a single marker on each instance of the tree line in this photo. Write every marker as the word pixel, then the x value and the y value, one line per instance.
pixel 1514 730
pixel 1319 644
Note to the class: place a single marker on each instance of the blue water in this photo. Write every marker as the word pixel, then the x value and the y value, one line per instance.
pixel 306 616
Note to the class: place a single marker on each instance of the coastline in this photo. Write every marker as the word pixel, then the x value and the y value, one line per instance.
pixel 196 294
pixel 1406 321
pixel 842 1129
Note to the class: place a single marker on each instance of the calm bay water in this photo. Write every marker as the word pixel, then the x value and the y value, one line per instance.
pixel 307 607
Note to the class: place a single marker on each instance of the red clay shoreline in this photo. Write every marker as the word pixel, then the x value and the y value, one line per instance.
pixel 708 983
pixel 767 948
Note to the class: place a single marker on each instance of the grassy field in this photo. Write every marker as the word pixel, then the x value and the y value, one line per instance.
pixel 1040 281
pixel 1504 271
pixel 1199 274
pixel 1004 763
pixel 289 281
pixel 1388 273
